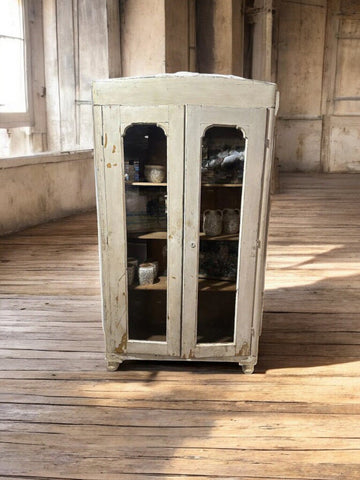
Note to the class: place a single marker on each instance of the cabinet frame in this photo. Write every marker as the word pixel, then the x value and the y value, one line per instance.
pixel 168 102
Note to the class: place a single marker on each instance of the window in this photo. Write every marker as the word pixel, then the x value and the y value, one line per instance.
pixel 14 73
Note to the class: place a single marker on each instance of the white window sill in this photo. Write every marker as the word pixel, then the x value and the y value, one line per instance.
pixel 46 157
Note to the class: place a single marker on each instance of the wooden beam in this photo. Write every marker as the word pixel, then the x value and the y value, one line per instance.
pixel 262 40
pixel 220 36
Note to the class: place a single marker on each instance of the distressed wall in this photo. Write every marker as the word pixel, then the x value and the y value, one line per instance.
pixel 142 37
pixel 82 44
pixel 301 43
pixel 51 186
pixel 341 99
pixel 220 30
pixel 317 69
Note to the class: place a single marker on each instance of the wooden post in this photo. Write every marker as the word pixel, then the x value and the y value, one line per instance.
pixel 329 75
pixel 220 36
pixel 262 46
pixel 38 129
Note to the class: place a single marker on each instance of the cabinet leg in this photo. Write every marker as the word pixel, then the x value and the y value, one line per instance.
pixel 112 366
pixel 247 369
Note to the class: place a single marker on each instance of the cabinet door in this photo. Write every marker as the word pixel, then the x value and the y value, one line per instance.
pixel 224 169
pixel 140 192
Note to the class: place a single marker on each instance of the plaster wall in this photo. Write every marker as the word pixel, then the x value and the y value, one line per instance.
pixel 142 31
pixel 43 188
pixel 300 50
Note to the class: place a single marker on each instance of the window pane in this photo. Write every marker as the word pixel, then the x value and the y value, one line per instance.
pixel 11 22
pixel 12 76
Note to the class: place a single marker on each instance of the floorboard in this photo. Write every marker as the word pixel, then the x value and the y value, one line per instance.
pixel 63 416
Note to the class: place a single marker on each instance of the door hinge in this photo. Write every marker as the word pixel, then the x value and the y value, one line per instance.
pixel 258 244
pixel 102 140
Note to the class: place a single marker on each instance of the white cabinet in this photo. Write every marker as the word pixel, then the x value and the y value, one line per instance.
pixel 170 151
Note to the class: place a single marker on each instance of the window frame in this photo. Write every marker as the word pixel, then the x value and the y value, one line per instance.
pixel 23 119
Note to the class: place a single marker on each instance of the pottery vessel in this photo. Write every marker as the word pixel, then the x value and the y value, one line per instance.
pixel 231 220
pixel 146 273
pixel 155 173
pixel 156 267
pixel 133 261
pixel 212 222
pixel 131 270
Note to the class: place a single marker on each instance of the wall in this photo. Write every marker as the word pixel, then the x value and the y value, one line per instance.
pixel 341 95
pixel 220 36
pixel 142 37
pixel 156 36
pixel 301 42
pixel 317 70
pixel 36 189
pixel 82 44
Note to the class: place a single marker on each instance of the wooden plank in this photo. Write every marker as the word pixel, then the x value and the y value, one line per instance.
pixel 200 91
pixel 113 38
pixel 176 36
pixel 66 70
pixel 221 51
pixel 142 28
pixel 204 285
pixel 38 101
pixel 297 417
pixel 316 464
pixel 51 76
pixel 113 232
pixel 91 61
pixel 262 40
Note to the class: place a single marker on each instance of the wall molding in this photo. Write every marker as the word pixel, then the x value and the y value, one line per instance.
pixel 45 157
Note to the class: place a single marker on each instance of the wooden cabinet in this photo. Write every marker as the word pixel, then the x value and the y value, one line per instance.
pixel 183 170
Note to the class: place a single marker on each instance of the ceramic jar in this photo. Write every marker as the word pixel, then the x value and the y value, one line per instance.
pixel 133 262
pixel 154 173
pixel 212 222
pixel 156 267
pixel 131 270
pixel 231 220
pixel 146 273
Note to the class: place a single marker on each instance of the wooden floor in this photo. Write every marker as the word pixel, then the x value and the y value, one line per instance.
pixel 297 417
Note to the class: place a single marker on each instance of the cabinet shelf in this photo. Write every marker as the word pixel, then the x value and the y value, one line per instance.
pixel 160 284
pixel 229 237
pixel 204 285
pixel 145 184
pixel 163 236
pixel 226 185
pixel 210 185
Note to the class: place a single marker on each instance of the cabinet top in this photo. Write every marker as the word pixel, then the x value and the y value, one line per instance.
pixel 185 88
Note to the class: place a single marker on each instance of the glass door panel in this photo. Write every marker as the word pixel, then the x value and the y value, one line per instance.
pixel 224 163
pixel 145 169
pixel 222 167
pixel 140 173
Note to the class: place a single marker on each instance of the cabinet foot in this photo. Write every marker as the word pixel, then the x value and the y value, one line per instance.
pixel 247 369
pixel 112 366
